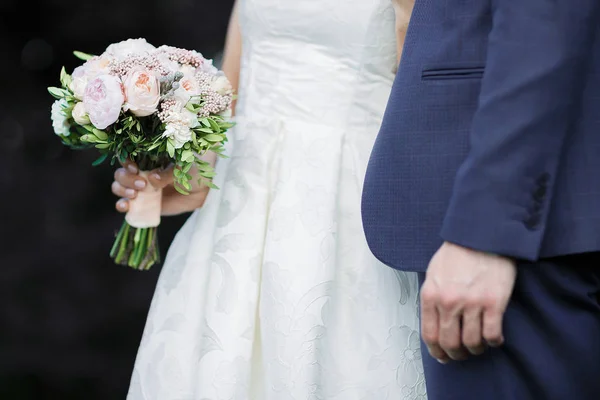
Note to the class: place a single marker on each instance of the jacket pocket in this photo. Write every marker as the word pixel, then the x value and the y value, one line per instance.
pixel 440 74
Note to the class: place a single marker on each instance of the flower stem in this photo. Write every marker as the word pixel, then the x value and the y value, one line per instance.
pixel 135 247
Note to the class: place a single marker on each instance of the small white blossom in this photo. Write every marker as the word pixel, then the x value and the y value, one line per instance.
pixel 59 118
pixel 179 133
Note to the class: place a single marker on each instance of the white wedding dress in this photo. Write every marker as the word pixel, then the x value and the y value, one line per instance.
pixel 269 292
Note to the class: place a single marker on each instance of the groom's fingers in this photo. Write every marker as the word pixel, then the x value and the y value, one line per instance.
pixel 430 323
pixel 472 339
pixel 450 333
pixel 492 326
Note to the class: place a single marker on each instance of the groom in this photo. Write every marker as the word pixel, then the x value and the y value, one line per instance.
pixel 486 174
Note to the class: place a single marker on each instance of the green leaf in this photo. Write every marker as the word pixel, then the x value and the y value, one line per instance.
pixel 204 121
pixel 82 56
pixel 65 79
pixel 187 156
pixel 181 190
pixel 213 138
pixel 209 174
pixel 89 138
pixel 100 160
pixel 214 125
pixel 100 134
pixel 154 146
pixel 57 92
pixel 193 107
pixel 226 125
pixel 187 167
pixel 103 146
pixel 204 130
pixel 194 139
pixel 170 149
pixel 211 185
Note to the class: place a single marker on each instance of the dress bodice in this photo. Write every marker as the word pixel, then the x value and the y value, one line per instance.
pixel 329 62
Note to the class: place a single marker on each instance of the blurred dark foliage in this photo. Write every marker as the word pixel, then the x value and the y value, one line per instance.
pixel 70 320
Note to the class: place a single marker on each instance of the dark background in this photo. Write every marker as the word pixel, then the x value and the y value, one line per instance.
pixel 70 320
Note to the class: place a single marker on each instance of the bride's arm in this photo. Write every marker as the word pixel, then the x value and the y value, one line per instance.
pixel 233 50
pixel 403 10
pixel 173 202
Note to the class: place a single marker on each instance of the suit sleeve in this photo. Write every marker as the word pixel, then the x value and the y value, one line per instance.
pixel 539 53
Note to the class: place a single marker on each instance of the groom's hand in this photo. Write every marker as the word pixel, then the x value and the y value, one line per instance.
pixel 463 300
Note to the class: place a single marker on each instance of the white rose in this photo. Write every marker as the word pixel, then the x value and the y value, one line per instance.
pixel 222 86
pixel 79 82
pixel 190 118
pixel 129 47
pixel 180 133
pixel 167 63
pixel 59 118
pixel 80 115
pixel 142 92
pixel 208 67
pixel 182 116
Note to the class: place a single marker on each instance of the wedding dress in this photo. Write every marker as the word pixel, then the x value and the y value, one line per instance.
pixel 269 292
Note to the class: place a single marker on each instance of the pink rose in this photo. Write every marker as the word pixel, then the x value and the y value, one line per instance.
pixel 142 92
pixel 103 99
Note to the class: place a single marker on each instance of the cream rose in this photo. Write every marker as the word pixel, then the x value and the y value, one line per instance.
pixel 142 92
pixel 80 115
pixel 129 47
pixel 103 100
pixel 222 85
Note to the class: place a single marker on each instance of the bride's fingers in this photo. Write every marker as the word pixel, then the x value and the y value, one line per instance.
pixel 130 166
pixel 122 191
pixel 161 178
pixel 129 180
pixel 122 205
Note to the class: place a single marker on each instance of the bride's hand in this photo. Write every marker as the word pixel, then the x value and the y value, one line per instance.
pixel 128 182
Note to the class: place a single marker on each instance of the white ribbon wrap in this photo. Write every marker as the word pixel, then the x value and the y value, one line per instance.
pixel 144 210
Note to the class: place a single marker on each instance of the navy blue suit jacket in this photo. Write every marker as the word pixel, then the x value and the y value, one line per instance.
pixel 491 138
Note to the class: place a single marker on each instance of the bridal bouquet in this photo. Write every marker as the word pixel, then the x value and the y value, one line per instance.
pixel 154 106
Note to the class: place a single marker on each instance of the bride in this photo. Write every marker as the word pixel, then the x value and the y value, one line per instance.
pixel 269 291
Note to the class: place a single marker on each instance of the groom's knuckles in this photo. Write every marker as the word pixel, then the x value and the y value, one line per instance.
pixel 450 301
